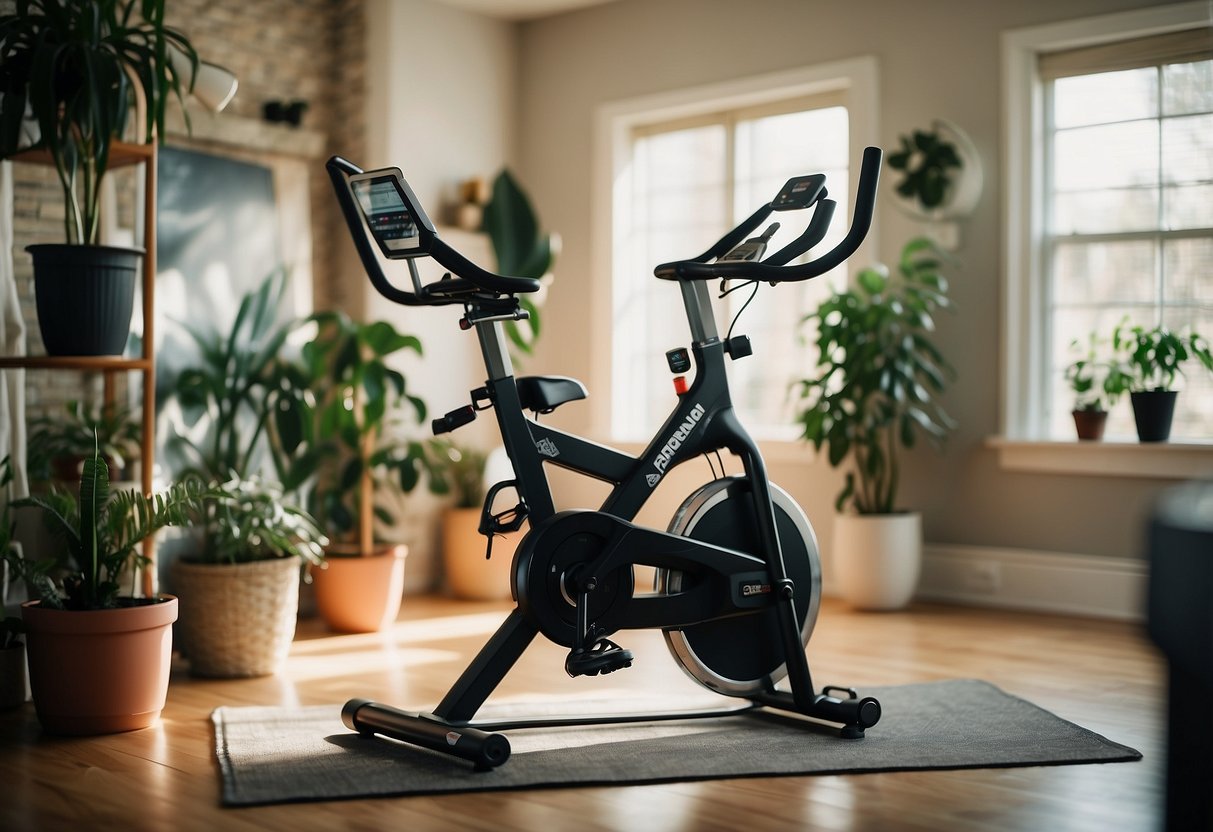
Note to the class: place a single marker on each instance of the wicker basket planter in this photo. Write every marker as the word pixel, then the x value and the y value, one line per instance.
pixel 237 620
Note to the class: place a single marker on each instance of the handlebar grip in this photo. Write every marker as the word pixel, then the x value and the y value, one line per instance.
pixel 861 222
pixel 729 241
pixel 339 170
pixel 813 234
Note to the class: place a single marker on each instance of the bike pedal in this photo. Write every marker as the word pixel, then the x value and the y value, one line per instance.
pixel 604 657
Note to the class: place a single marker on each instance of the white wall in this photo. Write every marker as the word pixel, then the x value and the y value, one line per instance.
pixel 937 59
pixel 459 94
pixel 441 106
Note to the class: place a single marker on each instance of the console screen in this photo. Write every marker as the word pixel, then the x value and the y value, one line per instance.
pixel 386 214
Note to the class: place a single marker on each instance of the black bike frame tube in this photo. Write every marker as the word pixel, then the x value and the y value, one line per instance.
pixel 484 674
pixel 566 450
pixel 694 428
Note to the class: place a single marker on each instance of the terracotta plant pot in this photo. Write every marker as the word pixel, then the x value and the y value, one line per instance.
pixel 237 620
pixel 12 676
pixel 1090 424
pixel 468 575
pixel 356 594
pixel 877 558
pixel 99 671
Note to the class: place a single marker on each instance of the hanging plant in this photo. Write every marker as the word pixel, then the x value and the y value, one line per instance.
pixel 928 161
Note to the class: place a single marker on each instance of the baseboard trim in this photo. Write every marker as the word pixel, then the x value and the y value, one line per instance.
pixel 1056 582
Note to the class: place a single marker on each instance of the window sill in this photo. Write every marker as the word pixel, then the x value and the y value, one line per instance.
pixel 1161 460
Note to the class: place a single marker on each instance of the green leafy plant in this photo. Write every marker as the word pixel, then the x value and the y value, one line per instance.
pixel 332 409
pixel 927 160
pixel 244 520
pixel 10 626
pixel 1151 358
pixel 76 64
pixel 521 250
pixel 879 375
pixel 231 389
pixel 100 534
pixel 1090 378
pixel 59 444
pixel 461 471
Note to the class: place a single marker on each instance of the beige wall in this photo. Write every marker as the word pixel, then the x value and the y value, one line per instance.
pixel 937 59
pixel 440 105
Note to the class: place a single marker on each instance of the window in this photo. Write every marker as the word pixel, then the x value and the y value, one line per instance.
pixel 1110 203
pixel 680 180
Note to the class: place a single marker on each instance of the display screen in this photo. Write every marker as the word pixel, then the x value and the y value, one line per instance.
pixel 386 214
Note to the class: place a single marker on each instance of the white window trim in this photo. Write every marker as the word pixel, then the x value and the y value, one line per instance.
pixel 613 124
pixel 1019 445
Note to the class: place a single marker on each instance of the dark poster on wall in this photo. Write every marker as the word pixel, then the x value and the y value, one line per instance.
pixel 217 239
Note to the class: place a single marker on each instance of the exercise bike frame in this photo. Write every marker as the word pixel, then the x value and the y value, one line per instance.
pixel 702 421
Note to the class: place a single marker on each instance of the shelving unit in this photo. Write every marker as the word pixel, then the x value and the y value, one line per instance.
pixel 122 154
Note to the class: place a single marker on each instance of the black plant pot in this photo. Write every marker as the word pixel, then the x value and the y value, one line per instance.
pixel 85 295
pixel 1153 410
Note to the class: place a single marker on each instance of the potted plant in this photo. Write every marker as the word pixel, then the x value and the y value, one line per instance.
pixel 12 648
pixel 99 661
pixel 877 387
pixel 1146 364
pixel 239 590
pixel 472 570
pixel 59 445
pixel 521 250
pixel 227 396
pixel 328 439
pixel 1088 378
pixel 77 67
pixel 941 172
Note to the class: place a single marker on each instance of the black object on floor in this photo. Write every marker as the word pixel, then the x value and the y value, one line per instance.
pixel 1181 597
pixel 278 755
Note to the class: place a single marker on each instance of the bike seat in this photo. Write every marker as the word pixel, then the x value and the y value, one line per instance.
pixel 543 394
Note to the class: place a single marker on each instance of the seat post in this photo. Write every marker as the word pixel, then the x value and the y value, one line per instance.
pixel 697 299
pixel 496 354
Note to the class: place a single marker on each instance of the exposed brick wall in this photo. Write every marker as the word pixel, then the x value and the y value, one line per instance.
pixel 310 50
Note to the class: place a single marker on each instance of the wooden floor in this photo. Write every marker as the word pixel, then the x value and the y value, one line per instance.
pixel 1102 675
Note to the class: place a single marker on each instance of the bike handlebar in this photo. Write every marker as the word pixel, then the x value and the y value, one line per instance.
pixel 470 280
pixel 773 269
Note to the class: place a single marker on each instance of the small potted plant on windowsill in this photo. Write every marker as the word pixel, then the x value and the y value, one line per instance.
pixel 1146 364
pixel 99 661
pixel 876 389
pixel 1088 377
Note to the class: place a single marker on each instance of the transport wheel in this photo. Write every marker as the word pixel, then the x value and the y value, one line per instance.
pixel 742 655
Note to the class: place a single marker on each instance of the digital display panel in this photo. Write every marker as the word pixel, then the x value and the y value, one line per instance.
pixel 386 214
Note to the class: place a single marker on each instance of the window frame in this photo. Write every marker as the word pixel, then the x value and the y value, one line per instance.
pixel 615 124
pixel 1024 176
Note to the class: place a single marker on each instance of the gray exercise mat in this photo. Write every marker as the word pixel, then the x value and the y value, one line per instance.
pixel 276 755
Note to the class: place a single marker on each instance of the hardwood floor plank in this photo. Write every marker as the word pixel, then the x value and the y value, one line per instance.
pixel 1102 675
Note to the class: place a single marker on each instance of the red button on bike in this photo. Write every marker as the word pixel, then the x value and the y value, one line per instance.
pixel 680 384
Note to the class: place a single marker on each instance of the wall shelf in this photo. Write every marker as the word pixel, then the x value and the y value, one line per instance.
pixel 122 154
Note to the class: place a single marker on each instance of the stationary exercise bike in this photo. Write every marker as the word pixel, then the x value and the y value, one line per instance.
pixel 738 577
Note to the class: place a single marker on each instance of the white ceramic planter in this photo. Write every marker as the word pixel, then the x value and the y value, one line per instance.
pixel 877 559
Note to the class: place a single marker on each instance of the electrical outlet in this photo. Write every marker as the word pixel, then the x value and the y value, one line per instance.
pixel 982 578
